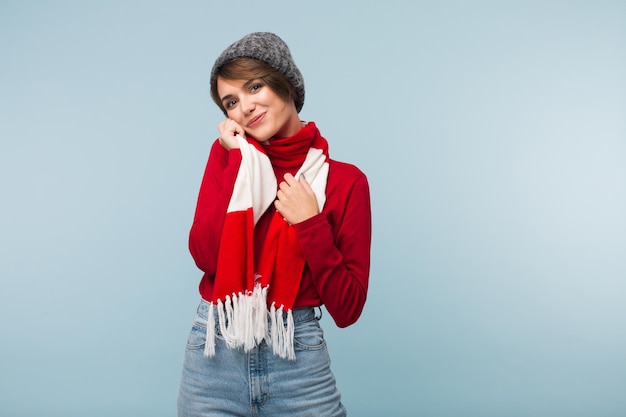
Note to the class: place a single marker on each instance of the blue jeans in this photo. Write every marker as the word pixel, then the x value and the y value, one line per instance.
pixel 258 383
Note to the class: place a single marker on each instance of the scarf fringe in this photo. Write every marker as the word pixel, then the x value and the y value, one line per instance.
pixel 209 344
pixel 281 336
pixel 243 322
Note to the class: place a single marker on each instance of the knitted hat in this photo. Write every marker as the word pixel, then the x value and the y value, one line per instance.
pixel 272 50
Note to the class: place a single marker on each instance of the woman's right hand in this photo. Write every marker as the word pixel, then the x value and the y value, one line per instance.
pixel 228 130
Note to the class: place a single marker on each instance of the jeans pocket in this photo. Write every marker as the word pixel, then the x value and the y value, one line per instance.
pixel 309 336
pixel 197 336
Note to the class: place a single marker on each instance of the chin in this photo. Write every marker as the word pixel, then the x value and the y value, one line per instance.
pixel 261 136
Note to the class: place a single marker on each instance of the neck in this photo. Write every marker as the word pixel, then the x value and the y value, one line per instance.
pixel 290 128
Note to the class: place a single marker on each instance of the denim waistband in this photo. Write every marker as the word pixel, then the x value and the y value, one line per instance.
pixel 300 315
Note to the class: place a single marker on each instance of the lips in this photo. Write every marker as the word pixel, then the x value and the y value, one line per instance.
pixel 256 120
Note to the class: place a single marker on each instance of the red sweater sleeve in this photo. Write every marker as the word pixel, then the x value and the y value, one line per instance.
pixel 336 245
pixel 215 191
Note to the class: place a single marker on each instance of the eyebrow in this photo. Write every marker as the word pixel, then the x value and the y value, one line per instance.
pixel 245 85
pixel 226 97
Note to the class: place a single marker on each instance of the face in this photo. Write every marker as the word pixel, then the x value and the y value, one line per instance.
pixel 262 113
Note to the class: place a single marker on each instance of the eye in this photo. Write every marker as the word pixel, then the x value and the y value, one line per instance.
pixel 255 87
pixel 230 104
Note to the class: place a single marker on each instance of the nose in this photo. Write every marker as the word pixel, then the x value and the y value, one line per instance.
pixel 247 106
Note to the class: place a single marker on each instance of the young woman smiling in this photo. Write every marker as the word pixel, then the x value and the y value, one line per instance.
pixel 279 230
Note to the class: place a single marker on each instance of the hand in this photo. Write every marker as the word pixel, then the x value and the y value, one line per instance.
pixel 296 200
pixel 228 130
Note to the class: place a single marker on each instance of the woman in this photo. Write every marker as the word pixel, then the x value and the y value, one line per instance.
pixel 279 230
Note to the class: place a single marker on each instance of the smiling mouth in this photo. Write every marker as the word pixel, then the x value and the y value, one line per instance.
pixel 256 120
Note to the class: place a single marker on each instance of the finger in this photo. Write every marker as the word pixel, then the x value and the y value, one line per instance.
pixel 289 179
pixel 221 126
pixel 234 128
pixel 303 181
pixel 239 130
pixel 282 188
pixel 229 127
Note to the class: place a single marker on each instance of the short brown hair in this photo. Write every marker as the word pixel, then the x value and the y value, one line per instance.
pixel 252 69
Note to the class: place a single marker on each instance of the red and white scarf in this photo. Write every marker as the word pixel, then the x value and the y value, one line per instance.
pixel 245 293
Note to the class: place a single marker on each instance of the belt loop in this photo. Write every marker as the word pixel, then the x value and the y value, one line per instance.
pixel 318 318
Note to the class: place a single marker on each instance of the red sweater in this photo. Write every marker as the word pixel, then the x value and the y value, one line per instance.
pixel 335 243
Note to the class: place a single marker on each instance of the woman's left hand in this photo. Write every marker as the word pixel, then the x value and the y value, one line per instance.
pixel 296 200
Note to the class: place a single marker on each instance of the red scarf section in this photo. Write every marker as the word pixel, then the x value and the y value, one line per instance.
pixel 244 293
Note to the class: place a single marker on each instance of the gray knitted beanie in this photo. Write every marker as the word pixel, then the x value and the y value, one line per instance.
pixel 272 50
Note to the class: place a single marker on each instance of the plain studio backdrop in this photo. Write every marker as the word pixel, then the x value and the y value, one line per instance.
pixel 494 138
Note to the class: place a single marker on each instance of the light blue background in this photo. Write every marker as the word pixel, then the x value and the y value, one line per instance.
pixel 494 138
